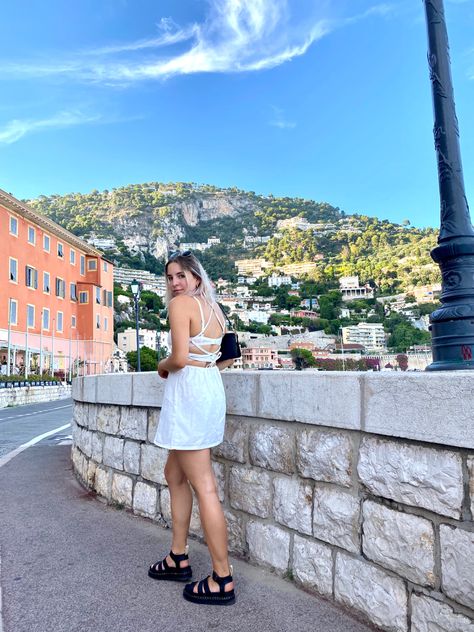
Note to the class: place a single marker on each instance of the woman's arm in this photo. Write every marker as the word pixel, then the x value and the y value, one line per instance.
pixel 224 364
pixel 179 314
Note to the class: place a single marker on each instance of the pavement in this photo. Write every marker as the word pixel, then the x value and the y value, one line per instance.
pixel 70 563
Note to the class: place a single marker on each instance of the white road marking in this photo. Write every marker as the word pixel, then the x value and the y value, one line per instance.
pixel 8 457
pixel 37 412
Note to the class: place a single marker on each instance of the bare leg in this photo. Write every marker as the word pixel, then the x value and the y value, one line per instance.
pixel 181 506
pixel 196 464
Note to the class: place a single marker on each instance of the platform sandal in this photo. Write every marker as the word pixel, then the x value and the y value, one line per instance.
pixel 204 594
pixel 178 573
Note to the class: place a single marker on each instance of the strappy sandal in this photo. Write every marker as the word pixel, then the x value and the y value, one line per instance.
pixel 178 573
pixel 204 594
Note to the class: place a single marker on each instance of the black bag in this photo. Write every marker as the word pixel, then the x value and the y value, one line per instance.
pixel 230 348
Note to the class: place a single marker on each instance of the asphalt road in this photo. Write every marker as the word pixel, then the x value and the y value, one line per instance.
pixel 70 563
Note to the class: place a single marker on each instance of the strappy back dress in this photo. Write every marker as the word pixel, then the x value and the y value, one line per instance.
pixel 193 411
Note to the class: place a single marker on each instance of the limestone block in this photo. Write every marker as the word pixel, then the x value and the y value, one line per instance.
pixel 133 423
pixel 235 439
pixel 272 447
pixel 122 489
pixel 91 468
pixel 195 524
pixel 428 615
pixel 457 564
pixel 470 467
pixel 153 460
pixel 147 389
pixel 165 505
pixel 236 532
pixel 336 518
pixel 103 482
pixel 219 473
pixel 250 491
pixel 92 417
pixel 79 413
pixel 329 399
pixel 97 447
pixel 419 404
pixel 241 392
pixel 114 388
pixel 412 474
pixel 77 461
pixel 113 452
pixel 400 542
pixel 131 457
pixel 153 419
pixel 108 418
pixel 76 390
pixel 312 565
pixel 268 545
pixel 324 456
pixel 86 442
pixel 293 503
pixel 381 597
pixel 144 499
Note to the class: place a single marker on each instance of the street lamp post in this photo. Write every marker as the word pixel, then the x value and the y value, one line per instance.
pixel 135 287
pixel 452 325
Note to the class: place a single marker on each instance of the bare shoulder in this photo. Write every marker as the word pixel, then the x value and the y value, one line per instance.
pixel 181 303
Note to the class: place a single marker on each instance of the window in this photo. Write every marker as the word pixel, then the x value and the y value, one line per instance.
pixel 13 226
pixel 13 270
pixel 73 291
pixel 59 321
pixel 60 287
pixel 46 282
pixel 83 297
pixel 109 299
pixel 72 257
pixel 30 316
pixel 97 295
pixel 83 265
pixel 97 321
pixel 45 318
pixel 106 324
pixel 73 322
pixel 92 264
pixel 106 267
pixel 31 235
pixel 60 250
pixel 31 276
pixel 104 297
pixel 13 312
pixel 46 243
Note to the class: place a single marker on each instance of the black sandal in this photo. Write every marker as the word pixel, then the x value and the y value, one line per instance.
pixel 204 594
pixel 162 570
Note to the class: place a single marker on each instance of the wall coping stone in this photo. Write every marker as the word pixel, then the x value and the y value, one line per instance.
pixel 404 405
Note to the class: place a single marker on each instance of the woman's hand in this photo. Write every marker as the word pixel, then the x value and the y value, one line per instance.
pixel 162 372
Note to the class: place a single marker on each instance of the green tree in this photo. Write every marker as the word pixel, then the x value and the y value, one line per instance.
pixel 302 359
pixel 148 359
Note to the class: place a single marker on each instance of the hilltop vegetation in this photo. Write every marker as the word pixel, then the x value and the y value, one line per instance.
pixel 145 220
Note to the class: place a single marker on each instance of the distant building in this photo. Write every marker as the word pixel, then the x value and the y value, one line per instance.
pixel 370 335
pixel 277 281
pixel 127 340
pixel 305 313
pixel 252 267
pixel 351 290
pixel 298 269
pixel 149 281
pixel 427 293
pixel 259 358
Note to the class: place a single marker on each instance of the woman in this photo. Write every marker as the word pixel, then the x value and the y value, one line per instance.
pixel 191 422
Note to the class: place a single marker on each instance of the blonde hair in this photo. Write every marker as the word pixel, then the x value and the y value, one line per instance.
pixel 191 263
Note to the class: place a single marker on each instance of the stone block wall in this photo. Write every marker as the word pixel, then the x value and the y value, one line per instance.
pixel 334 480
pixel 32 394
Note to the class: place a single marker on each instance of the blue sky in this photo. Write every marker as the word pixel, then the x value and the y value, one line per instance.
pixel 321 99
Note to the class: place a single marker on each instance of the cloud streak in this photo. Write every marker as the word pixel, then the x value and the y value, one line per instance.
pixel 236 36
pixel 15 129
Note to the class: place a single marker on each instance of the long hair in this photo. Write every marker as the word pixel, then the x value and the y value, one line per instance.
pixel 191 263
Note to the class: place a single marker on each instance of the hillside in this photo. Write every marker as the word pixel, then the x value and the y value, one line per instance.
pixel 145 221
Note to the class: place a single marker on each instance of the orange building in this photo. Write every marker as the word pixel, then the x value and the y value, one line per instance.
pixel 56 296
pixel 259 358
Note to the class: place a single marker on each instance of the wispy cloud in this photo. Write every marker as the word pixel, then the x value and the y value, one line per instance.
pixel 280 120
pixel 17 128
pixel 236 36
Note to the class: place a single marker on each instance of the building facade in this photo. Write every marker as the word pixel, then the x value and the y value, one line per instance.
pixel 56 296
pixel 259 358
pixel 371 335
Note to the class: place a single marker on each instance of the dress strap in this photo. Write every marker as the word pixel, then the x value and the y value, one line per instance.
pixel 203 326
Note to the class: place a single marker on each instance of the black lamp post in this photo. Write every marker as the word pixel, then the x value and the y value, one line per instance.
pixel 135 287
pixel 452 325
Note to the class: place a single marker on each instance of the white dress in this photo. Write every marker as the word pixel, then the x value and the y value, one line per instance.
pixel 193 410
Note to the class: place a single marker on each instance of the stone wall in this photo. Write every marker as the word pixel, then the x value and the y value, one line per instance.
pixel 32 394
pixel 357 486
